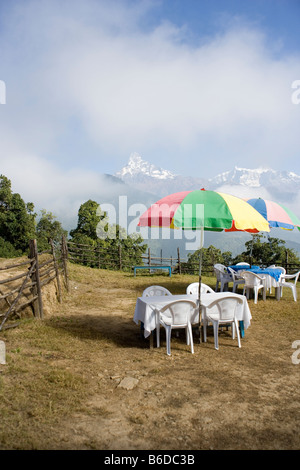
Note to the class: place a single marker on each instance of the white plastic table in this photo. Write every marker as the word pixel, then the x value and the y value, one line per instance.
pixel 145 308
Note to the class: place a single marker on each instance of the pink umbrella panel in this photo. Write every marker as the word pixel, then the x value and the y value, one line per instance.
pixel 275 213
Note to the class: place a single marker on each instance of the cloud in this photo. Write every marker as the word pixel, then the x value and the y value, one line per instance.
pixel 87 82
pixel 45 184
pixel 245 192
pixel 152 91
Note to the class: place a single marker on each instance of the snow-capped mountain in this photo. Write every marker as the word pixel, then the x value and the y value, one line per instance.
pixel 136 166
pixel 281 186
pixel 145 176
pixel 243 176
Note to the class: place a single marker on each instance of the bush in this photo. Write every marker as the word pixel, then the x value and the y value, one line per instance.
pixel 7 250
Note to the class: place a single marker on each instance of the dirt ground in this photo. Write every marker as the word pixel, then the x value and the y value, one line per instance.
pixel 232 398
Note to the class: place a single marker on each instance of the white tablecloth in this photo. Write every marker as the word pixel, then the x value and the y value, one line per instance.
pixel 270 281
pixel 145 308
pixel 272 275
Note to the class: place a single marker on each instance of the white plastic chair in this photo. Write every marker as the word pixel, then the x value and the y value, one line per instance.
pixel 237 279
pixel 176 314
pixel 155 290
pixel 283 272
pixel 194 288
pixel 223 277
pixel 255 282
pixel 291 285
pixel 222 311
pixel 242 263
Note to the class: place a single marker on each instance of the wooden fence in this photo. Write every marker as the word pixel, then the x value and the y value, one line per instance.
pixel 33 274
pixel 99 257
pixel 181 265
pixel 116 259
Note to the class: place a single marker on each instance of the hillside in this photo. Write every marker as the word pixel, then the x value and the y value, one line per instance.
pixel 84 379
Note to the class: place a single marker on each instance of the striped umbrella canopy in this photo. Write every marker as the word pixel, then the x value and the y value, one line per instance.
pixel 275 213
pixel 206 210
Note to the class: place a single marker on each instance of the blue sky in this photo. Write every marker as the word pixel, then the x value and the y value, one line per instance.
pixel 196 87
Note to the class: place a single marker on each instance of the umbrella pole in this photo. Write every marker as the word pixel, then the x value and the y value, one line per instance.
pixel 200 280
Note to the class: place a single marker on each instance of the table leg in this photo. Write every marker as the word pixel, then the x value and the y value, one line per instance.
pixel 200 333
pixel 151 340
pixel 242 328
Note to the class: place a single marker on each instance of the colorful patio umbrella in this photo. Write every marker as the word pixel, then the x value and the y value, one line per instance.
pixel 275 213
pixel 204 210
pixel 207 210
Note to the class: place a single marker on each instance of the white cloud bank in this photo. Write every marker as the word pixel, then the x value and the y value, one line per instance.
pixel 85 84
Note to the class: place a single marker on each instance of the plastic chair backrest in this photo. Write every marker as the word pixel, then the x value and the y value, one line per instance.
pixel 279 267
pixel 220 267
pixel 233 273
pixel 178 312
pixel 219 270
pixel 155 290
pixel 242 263
pixel 224 308
pixel 251 279
pixel 194 288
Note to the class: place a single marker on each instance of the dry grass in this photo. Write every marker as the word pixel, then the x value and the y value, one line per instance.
pixel 59 388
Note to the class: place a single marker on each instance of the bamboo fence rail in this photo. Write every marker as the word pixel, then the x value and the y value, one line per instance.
pixel 105 258
pixel 40 272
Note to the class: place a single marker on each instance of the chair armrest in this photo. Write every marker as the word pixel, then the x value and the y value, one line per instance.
pixel 289 276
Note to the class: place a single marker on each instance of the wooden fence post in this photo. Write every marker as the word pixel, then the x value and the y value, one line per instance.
pixel 179 265
pixel 56 270
pixel 120 258
pixel 149 257
pixel 35 278
pixel 64 254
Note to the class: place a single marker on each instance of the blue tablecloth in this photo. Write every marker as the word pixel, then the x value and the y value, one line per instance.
pixel 243 267
pixel 274 272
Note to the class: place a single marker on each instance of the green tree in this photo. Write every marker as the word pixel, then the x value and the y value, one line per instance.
pixel 87 221
pixel 129 247
pixel 265 251
pixel 17 219
pixel 210 256
pixel 7 250
pixel 104 241
pixel 48 228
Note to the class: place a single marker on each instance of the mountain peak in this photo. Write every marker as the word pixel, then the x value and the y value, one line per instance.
pixel 279 185
pixel 135 159
pixel 137 166
pixel 245 176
